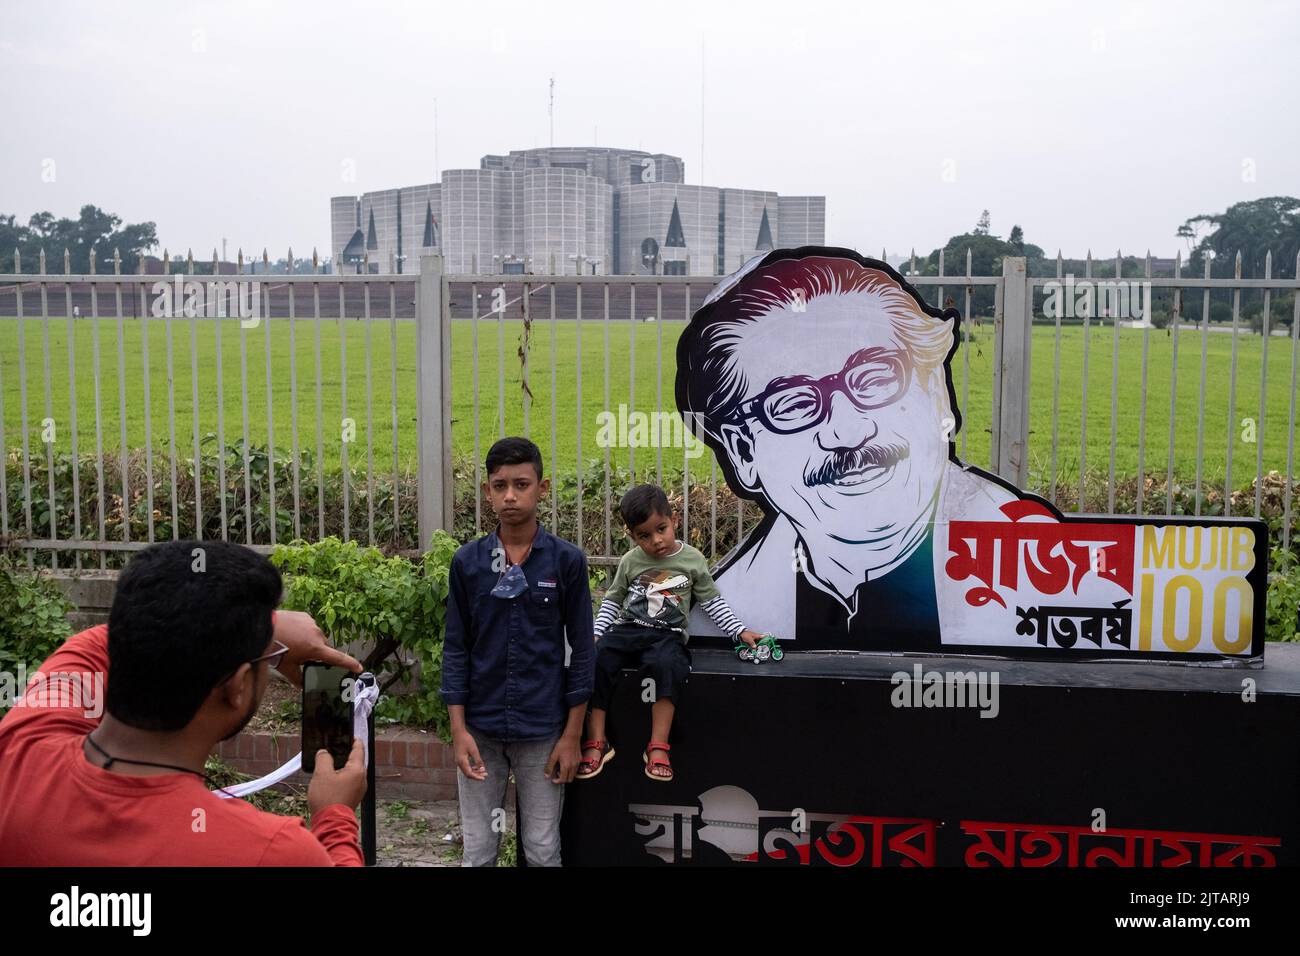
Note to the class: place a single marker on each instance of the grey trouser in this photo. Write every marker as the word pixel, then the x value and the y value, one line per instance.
pixel 482 802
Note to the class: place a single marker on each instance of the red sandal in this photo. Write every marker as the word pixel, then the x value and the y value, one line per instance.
pixel 652 762
pixel 589 767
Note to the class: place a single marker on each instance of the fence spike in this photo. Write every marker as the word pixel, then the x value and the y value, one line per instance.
pixel 240 258
pixel 41 260
pixel 18 261
pixel 266 260
pixel 189 261
pixel 67 261
pixel 1236 269
pixel 289 267
pixel 941 270
pixel 968 261
pixel 92 260
pixel 1268 264
pixel 117 261
pixel 315 259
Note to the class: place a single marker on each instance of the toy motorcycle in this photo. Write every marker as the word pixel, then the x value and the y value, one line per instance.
pixel 766 648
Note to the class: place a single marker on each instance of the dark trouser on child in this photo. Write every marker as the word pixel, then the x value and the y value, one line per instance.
pixel 659 656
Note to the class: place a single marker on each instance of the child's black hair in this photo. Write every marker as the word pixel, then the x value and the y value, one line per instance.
pixel 514 451
pixel 641 502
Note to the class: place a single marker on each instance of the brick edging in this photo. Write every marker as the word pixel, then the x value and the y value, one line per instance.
pixel 409 764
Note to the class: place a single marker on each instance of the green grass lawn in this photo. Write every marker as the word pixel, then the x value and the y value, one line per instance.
pixel 553 377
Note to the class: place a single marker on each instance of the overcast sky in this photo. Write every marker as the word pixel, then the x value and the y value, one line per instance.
pixel 1103 126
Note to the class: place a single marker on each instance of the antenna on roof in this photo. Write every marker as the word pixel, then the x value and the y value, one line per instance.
pixel 701 110
pixel 551 111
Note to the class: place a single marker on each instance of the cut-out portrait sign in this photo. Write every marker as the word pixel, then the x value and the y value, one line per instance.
pixel 823 384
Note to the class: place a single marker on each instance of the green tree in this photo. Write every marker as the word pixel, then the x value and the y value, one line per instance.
pixel 1254 228
pixel 92 229
pixel 986 255
pixel 1017 240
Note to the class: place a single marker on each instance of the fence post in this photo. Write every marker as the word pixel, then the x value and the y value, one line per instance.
pixel 433 401
pixel 1012 349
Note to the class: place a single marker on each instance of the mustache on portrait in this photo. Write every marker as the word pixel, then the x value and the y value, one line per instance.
pixel 842 463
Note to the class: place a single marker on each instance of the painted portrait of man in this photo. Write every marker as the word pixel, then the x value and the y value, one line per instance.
pixel 820 379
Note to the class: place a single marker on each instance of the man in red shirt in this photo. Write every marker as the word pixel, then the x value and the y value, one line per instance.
pixel 185 659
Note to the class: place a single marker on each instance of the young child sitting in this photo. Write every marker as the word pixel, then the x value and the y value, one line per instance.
pixel 642 623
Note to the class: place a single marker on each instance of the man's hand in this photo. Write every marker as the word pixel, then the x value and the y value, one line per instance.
pixel 297 631
pixel 563 762
pixel 750 637
pixel 329 786
pixel 467 757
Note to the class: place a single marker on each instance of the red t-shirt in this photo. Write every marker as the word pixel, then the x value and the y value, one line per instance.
pixel 58 809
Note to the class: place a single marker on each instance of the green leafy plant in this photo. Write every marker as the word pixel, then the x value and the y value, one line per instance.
pixel 1282 614
pixel 395 608
pixel 33 618
pixel 508 854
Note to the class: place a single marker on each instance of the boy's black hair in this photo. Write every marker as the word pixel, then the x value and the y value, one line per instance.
pixel 185 616
pixel 641 502
pixel 514 451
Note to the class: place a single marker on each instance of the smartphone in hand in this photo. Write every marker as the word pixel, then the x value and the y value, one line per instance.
pixel 326 713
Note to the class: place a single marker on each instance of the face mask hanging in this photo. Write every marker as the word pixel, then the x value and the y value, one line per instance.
pixel 512 583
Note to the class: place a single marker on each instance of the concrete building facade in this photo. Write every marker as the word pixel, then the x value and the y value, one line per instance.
pixel 567 210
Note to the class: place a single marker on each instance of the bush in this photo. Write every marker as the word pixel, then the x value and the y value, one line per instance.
pixel 33 619
pixel 134 517
pixel 1282 619
pixel 395 605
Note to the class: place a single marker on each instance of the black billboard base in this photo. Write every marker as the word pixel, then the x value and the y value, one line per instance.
pixel 873 760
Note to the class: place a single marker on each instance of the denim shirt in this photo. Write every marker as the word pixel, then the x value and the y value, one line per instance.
pixel 503 658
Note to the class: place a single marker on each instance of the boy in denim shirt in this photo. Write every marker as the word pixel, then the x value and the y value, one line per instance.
pixel 514 597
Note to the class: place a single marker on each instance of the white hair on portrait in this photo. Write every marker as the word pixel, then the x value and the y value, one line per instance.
pixel 791 286
pixel 926 338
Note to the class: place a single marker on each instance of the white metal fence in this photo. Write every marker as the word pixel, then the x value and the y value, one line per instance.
pixel 426 345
